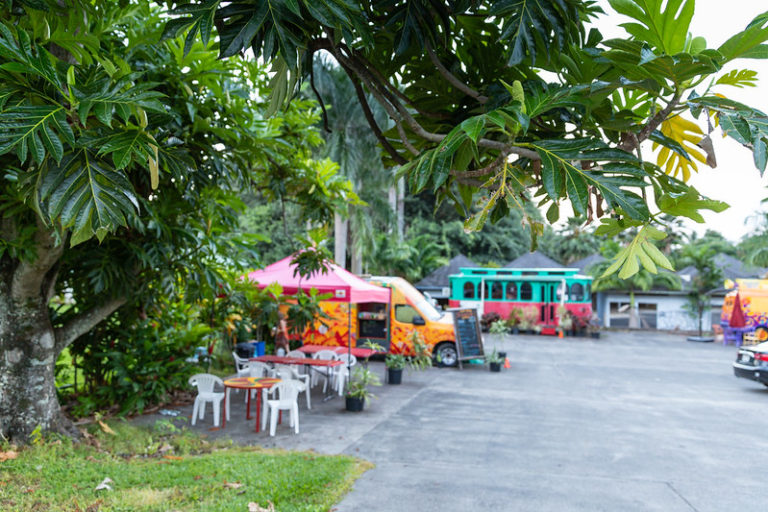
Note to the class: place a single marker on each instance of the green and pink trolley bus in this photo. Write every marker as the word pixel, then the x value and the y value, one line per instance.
pixel 498 290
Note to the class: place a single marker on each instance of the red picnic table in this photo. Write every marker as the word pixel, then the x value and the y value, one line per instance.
pixel 358 352
pixel 307 361
pixel 248 384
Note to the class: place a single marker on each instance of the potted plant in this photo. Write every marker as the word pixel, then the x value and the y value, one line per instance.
pixel 580 324
pixel 499 328
pixel 422 353
pixel 494 361
pixel 357 390
pixel 514 319
pixel 530 319
pixel 395 364
pixel 593 326
pixel 487 319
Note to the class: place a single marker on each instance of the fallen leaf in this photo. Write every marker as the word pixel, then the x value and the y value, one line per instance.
pixel 232 485
pixel 255 507
pixel 166 447
pixel 172 457
pixel 197 477
pixel 91 458
pixel 105 484
pixel 213 429
pixel 8 455
pixel 94 507
pixel 106 428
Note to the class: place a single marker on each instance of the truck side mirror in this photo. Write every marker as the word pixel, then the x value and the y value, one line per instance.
pixel 417 320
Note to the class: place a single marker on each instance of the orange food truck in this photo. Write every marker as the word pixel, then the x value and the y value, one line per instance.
pixel 382 310
pixel 750 297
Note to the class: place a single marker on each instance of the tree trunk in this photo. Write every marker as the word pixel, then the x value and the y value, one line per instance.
pixel 340 228
pixel 27 342
pixel 29 345
pixel 400 209
pixel 634 317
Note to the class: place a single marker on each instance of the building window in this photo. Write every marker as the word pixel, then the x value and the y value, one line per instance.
pixel 497 290
pixel 469 290
pixel 526 291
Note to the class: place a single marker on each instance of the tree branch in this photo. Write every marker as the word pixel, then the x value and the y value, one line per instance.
pixel 488 169
pixel 29 276
pixel 451 78
pixel 317 94
pixel 631 143
pixel 85 321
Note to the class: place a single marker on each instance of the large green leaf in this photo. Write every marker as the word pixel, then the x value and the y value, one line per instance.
pixel 526 22
pixel 661 23
pixel 26 57
pixel 747 125
pixel 85 195
pixel 747 44
pixel 35 129
pixel 560 168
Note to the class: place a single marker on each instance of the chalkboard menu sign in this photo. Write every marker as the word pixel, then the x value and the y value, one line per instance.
pixel 469 341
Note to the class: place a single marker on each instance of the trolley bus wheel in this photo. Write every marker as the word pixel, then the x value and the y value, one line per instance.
pixel 445 354
pixel 761 333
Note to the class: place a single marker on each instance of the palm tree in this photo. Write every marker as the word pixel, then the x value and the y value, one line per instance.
pixel 350 143
pixel 643 280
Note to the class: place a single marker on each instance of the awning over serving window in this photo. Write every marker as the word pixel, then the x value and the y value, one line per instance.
pixel 345 286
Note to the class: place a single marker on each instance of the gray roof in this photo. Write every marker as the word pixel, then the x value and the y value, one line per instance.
pixel 732 269
pixel 533 259
pixel 584 263
pixel 439 277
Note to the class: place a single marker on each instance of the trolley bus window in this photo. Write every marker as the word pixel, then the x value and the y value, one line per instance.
pixel 469 290
pixel 511 291
pixel 526 291
pixel 559 292
pixel 577 292
pixel 487 290
pixel 497 290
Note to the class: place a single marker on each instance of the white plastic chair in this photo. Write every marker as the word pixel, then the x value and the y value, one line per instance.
pixel 341 376
pixel 287 393
pixel 258 369
pixel 286 372
pixel 349 359
pixel 205 383
pixel 241 364
pixel 325 372
pixel 298 354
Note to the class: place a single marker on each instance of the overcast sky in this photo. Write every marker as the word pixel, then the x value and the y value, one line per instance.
pixel 735 180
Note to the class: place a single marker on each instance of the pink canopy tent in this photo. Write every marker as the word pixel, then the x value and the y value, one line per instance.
pixel 345 286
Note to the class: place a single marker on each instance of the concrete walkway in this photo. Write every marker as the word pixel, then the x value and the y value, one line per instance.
pixel 633 421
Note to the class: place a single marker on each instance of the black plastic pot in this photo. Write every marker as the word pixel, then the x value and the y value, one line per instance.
pixel 395 375
pixel 595 335
pixel 495 367
pixel 355 404
pixel 515 330
pixel 503 355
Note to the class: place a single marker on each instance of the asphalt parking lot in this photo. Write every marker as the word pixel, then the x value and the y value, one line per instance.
pixel 633 421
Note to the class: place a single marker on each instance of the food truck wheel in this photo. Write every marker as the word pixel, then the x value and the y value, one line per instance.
pixel 445 354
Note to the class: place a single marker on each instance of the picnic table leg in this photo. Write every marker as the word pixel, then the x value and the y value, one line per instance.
pixel 248 405
pixel 258 410
pixel 224 416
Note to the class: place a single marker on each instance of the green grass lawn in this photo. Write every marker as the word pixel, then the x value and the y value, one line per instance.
pixel 170 471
